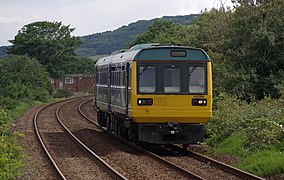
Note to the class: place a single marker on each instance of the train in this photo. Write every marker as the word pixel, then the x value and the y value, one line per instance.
pixel 154 93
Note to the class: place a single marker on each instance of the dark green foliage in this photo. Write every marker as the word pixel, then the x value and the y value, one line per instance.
pixel 162 31
pixel 107 42
pixel 48 42
pixel 254 48
pixel 3 52
pixel 23 79
pixel 62 93
pixel 76 65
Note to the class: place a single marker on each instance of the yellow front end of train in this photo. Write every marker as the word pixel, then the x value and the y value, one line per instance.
pixel 172 107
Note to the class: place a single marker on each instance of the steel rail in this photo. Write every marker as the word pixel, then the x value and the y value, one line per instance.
pixel 138 148
pixel 230 169
pixel 35 119
pixel 100 162
pixel 222 166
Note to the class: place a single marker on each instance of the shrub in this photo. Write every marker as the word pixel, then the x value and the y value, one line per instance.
pixel 260 122
pixel 11 157
pixel 61 93
pixel 23 80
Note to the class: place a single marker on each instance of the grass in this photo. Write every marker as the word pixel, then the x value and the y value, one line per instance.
pixel 262 163
pixel 233 145
pixel 20 110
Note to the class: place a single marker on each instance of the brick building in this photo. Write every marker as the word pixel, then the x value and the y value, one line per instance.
pixel 75 83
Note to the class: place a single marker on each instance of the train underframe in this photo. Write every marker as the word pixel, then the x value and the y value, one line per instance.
pixel 155 133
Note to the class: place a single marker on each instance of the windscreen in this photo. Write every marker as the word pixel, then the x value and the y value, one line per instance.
pixel 147 80
pixel 172 78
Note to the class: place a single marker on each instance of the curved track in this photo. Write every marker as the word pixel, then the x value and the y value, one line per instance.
pixel 60 163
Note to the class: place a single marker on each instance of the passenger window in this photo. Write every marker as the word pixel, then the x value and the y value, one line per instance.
pixel 196 79
pixel 147 78
pixel 172 78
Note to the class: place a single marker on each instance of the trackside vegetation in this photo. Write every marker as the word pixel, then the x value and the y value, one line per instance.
pixel 23 82
pixel 253 132
pixel 11 157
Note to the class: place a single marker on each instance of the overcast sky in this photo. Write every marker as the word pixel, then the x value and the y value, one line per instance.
pixel 92 16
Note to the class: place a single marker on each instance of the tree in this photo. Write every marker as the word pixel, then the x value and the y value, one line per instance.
pixel 23 79
pixel 76 65
pixel 46 41
pixel 161 31
pixel 254 48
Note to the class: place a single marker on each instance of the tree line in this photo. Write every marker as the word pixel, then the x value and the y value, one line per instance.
pixel 245 44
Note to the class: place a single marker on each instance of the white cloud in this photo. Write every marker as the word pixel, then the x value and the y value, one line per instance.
pixel 90 16
pixel 16 19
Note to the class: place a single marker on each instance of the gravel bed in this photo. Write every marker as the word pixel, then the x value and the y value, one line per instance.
pixel 126 160
pixel 73 162
pixel 204 170
pixel 38 166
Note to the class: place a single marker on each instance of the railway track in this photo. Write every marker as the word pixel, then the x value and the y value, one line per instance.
pixel 87 148
pixel 230 172
pixel 58 150
pixel 208 161
pixel 146 169
pixel 225 167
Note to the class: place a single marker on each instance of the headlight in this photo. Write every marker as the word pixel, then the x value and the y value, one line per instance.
pixel 199 102
pixel 145 101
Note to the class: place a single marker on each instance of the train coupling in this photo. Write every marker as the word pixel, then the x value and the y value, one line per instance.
pixel 173 127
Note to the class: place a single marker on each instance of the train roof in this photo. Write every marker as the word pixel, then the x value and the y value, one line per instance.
pixel 155 52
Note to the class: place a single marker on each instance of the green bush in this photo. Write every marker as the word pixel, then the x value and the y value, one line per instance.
pixel 61 93
pixel 23 80
pixel 11 158
pixel 261 123
pixel 7 103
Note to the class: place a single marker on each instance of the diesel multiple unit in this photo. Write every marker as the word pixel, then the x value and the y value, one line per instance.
pixel 155 94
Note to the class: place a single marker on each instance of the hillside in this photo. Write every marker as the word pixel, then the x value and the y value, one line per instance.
pixel 107 42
